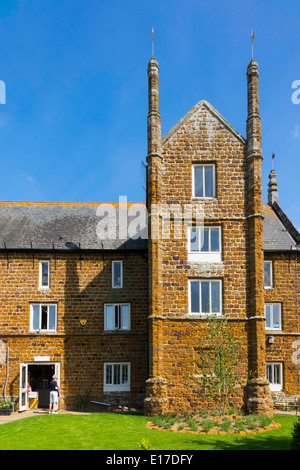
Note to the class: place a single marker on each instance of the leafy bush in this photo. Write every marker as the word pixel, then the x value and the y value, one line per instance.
pixel 144 444
pixel 251 421
pixel 296 436
pixel 225 426
pixel 264 420
pixel 164 421
pixel 240 425
pixel 193 425
pixel 207 425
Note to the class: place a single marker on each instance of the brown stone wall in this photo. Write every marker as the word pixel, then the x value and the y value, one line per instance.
pixel 203 138
pixel 80 289
pixel 286 282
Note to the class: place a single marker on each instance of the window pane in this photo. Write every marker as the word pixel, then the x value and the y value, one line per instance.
pixel 125 317
pixel 194 239
pixel 276 319
pixel 45 274
pixel 117 273
pixel 214 239
pixel 195 297
pixel 215 297
pixel 117 317
pixel 44 317
pixel 205 304
pixel 109 317
pixel 209 187
pixel 277 374
pixel 108 379
pixel 267 274
pixel 198 181
pixel 268 316
pixel 269 374
pixel 52 317
pixel 204 239
pixel 117 370
pixel 36 317
pixel 124 374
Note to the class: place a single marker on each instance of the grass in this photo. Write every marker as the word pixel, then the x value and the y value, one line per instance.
pixel 112 431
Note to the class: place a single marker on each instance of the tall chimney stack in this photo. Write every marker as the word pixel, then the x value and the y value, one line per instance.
pixel 258 390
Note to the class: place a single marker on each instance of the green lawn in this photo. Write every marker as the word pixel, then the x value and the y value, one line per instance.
pixel 109 431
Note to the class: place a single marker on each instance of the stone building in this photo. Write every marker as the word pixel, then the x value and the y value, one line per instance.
pixel 118 317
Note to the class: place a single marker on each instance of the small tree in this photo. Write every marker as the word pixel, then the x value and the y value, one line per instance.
pixel 215 367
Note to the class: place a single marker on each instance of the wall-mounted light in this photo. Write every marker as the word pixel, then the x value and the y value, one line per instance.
pixel 82 322
pixel 270 339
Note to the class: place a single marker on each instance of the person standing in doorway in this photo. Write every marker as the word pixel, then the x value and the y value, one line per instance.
pixel 54 388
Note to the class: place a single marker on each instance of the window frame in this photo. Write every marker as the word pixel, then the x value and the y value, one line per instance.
pixel 205 256
pixel 203 165
pixel 118 304
pixel 271 274
pixel 275 387
pixel 271 304
pixel 41 262
pixel 206 314
pixel 40 329
pixel 114 262
pixel 113 387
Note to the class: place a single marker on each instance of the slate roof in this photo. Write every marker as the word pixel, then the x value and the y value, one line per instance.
pixel 72 226
pixel 277 235
pixel 62 226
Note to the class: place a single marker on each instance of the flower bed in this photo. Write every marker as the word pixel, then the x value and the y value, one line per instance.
pixel 202 423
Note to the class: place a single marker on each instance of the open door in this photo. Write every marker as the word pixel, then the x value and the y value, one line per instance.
pixel 23 387
pixel 57 372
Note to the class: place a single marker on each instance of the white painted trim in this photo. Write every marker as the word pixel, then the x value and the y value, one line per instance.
pixel 114 305
pixel 271 274
pixel 205 314
pixel 41 287
pixel 40 305
pixel 213 165
pixel 116 387
pixel 280 316
pixel 112 274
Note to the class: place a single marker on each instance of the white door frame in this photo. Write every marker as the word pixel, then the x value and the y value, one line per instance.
pixel 23 387
pixel 24 376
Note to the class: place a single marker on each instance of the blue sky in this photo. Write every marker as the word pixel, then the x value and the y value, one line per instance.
pixel 74 124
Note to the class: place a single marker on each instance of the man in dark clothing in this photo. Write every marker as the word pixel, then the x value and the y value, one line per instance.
pixel 53 394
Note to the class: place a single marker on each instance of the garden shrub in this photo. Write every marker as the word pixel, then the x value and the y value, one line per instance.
pixel 226 424
pixel 251 421
pixel 296 436
pixel 239 425
pixel 207 425
pixel 193 425
pixel 264 420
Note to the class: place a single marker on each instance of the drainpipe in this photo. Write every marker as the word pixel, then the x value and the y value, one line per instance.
pixel 7 369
